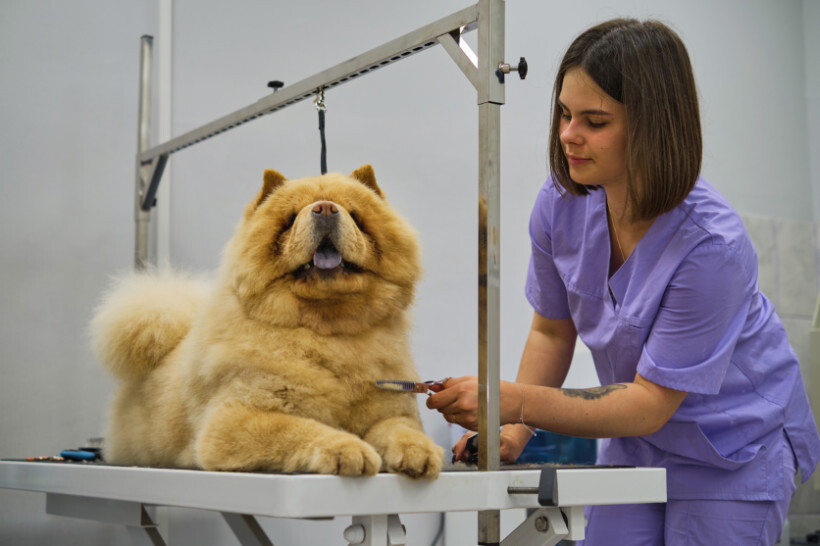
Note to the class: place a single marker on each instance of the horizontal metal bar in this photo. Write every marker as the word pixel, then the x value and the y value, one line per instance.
pixel 388 53
pixel 512 490
pixel 571 485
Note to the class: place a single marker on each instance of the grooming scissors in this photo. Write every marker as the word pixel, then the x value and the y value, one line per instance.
pixel 416 387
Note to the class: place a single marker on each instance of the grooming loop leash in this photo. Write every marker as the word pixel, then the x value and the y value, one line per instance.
pixel 319 101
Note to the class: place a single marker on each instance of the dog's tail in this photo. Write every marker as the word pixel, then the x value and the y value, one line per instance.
pixel 142 318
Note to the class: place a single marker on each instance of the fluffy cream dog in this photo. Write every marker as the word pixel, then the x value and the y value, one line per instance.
pixel 273 367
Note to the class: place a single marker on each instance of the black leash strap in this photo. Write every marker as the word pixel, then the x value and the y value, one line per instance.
pixel 324 144
pixel 320 106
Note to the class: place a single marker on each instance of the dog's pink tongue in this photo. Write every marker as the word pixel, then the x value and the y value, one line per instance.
pixel 327 258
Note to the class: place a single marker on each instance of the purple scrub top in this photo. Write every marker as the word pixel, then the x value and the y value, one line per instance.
pixel 685 312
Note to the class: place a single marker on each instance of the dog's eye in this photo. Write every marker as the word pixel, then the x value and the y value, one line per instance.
pixel 357 221
pixel 289 222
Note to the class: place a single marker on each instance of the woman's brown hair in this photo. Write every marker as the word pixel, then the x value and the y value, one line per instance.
pixel 644 66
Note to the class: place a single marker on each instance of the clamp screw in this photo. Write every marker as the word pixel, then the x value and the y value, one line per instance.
pixel 276 85
pixel 522 68
pixel 542 524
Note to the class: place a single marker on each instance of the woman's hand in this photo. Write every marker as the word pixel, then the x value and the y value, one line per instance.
pixel 512 441
pixel 460 452
pixel 458 402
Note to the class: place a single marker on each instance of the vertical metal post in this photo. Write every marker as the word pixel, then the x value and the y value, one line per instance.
pixel 143 217
pixel 490 98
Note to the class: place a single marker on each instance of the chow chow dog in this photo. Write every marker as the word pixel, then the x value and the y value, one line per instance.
pixel 272 366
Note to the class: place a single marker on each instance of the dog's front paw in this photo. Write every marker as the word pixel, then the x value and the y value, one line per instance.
pixel 345 455
pixel 413 453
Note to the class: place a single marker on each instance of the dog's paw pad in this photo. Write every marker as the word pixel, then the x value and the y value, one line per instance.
pixel 346 457
pixel 417 457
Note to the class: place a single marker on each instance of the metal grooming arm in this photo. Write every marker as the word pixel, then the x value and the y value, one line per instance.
pixel 484 69
pixel 150 162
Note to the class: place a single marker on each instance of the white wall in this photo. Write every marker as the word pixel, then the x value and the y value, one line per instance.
pixel 68 115
pixel 68 98
pixel 811 52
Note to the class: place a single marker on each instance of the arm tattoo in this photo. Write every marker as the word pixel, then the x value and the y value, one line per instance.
pixel 593 393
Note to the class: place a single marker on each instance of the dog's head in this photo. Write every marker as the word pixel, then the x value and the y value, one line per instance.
pixel 327 253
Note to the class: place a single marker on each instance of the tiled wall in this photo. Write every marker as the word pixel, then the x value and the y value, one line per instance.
pixel 789 260
pixel 787 253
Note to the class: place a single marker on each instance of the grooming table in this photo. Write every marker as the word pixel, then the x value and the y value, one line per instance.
pixel 126 495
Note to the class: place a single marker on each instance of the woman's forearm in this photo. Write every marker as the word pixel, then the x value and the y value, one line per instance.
pixel 537 399
pixel 620 409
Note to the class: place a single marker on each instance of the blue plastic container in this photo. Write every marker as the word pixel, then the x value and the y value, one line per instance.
pixel 549 447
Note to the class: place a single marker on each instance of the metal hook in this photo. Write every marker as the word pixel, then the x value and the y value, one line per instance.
pixel 319 101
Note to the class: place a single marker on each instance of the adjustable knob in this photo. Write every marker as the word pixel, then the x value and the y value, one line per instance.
pixel 521 68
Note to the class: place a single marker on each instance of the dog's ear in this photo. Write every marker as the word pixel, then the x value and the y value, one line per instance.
pixel 366 176
pixel 270 181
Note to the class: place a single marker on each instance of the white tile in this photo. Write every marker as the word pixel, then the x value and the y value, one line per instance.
pixel 796 249
pixel 762 233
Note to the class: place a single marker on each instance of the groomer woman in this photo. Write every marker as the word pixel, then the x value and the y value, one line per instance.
pixel 653 269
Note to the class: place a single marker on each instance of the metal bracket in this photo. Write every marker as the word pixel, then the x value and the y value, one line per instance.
pixel 545 527
pixel 378 530
pixel 134 515
pixel 246 529
pixel 462 54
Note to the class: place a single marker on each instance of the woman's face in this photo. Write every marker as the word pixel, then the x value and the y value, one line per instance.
pixel 592 131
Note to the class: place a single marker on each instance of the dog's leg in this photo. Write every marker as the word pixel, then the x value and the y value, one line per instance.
pixel 240 437
pixel 405 448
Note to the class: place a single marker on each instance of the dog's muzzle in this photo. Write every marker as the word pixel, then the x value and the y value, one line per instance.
pixel 325 216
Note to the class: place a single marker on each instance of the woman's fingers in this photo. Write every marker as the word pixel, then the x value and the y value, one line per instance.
pixel 462 450
pixel 458 401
